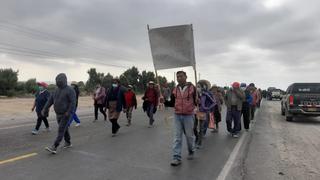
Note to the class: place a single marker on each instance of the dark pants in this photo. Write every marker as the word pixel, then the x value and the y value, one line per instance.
pixel 150 112
pixel 217 117
pixel 233 116
pixel 205 125
pixel 252 111
pixel 39 121
pixel 198 129
pixel 246 117
pixel 99 107
pixel 115 125
pixel 63 129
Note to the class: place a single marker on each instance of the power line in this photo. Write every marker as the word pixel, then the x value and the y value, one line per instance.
pixel 10 47
pixel 20 52
pixel 37 34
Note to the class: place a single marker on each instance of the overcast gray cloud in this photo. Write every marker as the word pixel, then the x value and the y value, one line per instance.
pixel 269 42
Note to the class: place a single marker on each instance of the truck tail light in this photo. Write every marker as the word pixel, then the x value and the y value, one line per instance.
pixel 291 98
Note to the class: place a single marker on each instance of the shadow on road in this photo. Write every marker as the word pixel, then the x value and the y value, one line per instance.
pixel 306 120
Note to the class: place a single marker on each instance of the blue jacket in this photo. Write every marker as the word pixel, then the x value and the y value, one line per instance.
pixel 41 100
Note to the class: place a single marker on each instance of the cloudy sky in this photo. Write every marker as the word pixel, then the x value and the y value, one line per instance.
pixel 269 42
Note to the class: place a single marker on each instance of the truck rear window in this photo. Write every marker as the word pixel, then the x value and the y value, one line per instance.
pixel 308 88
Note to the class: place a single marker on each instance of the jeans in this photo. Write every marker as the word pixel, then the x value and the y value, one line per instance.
pixel 183 124
pixel 75 118
pixel 233 116
pixel 150 111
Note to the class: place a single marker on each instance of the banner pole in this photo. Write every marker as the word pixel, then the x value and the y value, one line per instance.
pixel 157 77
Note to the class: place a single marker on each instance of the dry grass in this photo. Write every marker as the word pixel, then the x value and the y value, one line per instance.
pixel 22 106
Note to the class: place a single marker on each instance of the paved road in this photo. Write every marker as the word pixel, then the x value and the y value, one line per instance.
pixel 136 153
pixel 281 149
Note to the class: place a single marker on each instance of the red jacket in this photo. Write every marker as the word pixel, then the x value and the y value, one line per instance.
pixel 130 98
pixel 151 95
pixel 184 100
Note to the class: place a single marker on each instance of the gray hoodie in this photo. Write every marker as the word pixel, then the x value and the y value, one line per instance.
pixel 64 97
pixel 235 97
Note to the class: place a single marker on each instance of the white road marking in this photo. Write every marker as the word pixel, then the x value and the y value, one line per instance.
pixel 232 158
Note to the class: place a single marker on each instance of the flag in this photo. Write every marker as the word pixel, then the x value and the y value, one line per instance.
pixel 172 47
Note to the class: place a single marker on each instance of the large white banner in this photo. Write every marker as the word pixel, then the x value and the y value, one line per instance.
pixel 172 47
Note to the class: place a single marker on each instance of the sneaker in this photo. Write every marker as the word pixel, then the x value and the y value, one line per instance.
pixel 175 162
pixel 235 135
pixel 151 126
pixel 247 130
pixel 198 146
pixel 47 129
pixel 67 145
pixel 190 156
pixel 77 125
pixel 52 150
pixel 35 132
pixel 114 135
pixel 94 121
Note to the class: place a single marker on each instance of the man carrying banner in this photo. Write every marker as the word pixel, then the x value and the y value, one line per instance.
pixel 184 100
pixel 173 47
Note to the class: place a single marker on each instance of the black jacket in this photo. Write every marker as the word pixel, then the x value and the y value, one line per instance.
pixel 63 98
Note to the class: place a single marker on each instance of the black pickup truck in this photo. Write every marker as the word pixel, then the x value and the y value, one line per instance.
pixel 301 99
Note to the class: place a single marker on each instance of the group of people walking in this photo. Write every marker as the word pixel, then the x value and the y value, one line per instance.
pixel 199 107
pixel 196 108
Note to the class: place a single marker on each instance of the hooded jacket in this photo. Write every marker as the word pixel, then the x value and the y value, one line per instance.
pixel 64 97
pixel 239 95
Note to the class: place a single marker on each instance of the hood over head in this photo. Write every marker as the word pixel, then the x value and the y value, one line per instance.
pixel 61 80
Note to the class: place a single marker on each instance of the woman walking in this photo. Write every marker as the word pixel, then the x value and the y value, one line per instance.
pixel 41 98
pixel 115 104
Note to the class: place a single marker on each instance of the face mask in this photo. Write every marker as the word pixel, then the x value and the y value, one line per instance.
pixel 243 88
pixel 114 85
pixel 41 88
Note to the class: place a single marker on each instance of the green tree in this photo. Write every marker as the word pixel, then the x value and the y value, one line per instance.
pixel 145 78
pixel 162 80
pixel 82 87
pixel 107 80
pixel 21 88
pixel 130 76
pixel 31 86
pixel 94 79
pixel 8 81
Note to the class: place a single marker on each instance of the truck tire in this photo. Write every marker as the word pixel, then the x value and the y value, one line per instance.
pixel 288 118
pixel 282 111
